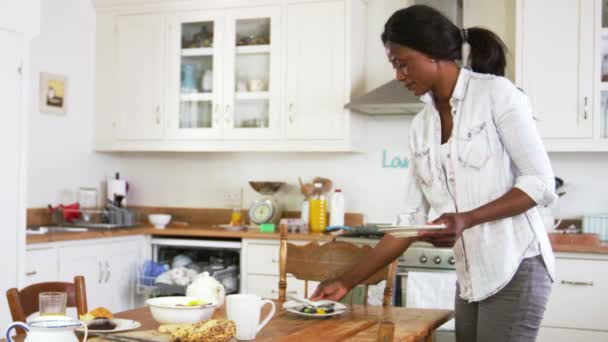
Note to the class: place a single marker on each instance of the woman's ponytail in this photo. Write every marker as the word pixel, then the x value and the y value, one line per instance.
pixel 487 51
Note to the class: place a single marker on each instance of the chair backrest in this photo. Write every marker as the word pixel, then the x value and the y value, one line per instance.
pixel 25 302
pixel 315 262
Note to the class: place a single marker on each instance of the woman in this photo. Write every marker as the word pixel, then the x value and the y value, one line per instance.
pixel 478 164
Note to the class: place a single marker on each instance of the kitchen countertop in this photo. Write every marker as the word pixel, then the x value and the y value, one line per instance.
pixel 200 231
pixel 213 231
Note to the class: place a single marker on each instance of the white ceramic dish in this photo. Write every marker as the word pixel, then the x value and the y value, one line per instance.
pixel 293 307
pixel 409 230
pixel 121 325
pixel 174 310
pixel 159 221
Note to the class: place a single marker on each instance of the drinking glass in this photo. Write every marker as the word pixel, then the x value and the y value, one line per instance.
pixel 52 303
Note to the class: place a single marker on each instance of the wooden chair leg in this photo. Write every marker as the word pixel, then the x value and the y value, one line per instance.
pixel 429 338
pixel 386 332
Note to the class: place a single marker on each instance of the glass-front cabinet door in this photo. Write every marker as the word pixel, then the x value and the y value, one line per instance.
pixel 252 74
pixel 602 70
pixel 195 75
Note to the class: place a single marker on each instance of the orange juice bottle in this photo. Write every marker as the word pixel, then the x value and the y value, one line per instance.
pixel 318 210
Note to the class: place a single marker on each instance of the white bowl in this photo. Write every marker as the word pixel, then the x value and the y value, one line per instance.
pixel 173 310
pixel 159 221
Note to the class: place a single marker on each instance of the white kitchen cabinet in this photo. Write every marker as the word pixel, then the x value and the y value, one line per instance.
pixel 109 267
pixel 41 265
pixel 569 335
pixel 138 83
pixel 316 70
pixel 225 74
pixel 568 90
pixel 579 299
pixel 244 76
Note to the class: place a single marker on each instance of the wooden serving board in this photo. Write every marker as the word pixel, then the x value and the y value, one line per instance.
pixel 150 335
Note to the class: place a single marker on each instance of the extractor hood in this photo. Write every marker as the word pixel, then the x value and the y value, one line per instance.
pixel 390 98
pixel 393 98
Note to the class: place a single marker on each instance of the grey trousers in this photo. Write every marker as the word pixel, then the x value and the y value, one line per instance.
pixel 511 315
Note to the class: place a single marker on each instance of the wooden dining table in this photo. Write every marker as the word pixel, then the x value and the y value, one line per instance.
pixel 358 323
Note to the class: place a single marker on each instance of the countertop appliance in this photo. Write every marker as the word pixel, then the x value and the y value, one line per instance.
pixel 419 257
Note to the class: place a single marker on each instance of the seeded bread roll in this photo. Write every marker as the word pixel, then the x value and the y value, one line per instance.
pixel 213 330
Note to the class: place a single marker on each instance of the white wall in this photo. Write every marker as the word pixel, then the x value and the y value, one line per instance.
pixel 60 155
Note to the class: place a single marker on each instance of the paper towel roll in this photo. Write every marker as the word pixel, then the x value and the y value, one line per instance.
pixel 117 187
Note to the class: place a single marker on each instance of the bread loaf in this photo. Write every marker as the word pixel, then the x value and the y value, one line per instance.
pixel 213 330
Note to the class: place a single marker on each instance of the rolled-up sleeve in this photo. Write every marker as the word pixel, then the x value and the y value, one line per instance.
pixel 517 130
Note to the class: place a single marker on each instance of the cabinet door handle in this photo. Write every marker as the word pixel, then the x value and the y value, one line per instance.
pixel 586 108
pixel 107 272
pixel 577 283
pixel 290 111
pixel 274 261
pixel 31 273
pixel 157 112
pixel 100 272
pixel 216 120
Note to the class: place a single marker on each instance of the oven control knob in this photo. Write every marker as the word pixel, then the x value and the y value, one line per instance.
pixel 422 259
pixel 451 260
pixel 437 260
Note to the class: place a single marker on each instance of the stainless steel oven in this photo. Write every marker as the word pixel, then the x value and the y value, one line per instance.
pixel 420 257
pixel 426 258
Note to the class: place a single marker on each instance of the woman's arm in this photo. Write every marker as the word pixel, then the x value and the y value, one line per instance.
pixel 387 250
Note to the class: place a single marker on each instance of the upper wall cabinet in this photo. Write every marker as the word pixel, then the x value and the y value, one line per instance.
pixel 559 66
pixel 250 76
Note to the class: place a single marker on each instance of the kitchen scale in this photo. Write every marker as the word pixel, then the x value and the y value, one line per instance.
pixel 265 209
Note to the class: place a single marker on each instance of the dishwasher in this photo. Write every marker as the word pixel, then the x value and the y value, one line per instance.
pixel 184 259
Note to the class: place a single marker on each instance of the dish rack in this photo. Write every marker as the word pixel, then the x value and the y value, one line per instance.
pixel 103 218
pixel 596 223
pixel 146 285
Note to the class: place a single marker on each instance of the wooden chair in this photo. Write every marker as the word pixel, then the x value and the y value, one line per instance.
pixel 314 262
pixel 386 332
pixel 25 302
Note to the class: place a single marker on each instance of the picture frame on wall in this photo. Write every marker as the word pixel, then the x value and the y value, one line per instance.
pixel 53 91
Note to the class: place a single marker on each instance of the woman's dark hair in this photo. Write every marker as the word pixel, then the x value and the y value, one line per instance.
pixel 425 29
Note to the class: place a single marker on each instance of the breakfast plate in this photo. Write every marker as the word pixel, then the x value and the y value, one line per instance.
pixel 121 325
pixel 336 308
pixel 408 230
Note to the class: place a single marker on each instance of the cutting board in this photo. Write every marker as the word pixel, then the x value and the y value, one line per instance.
pixel 150 335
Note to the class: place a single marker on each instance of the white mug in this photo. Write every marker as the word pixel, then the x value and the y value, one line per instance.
pixel 256 85
pixel 244 310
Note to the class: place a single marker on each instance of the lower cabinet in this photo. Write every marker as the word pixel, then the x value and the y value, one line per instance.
pixel 260 270
pixel 579 300
pixel 42 265
pixel 108 266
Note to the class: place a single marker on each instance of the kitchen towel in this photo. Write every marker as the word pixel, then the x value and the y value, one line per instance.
pixel 432 290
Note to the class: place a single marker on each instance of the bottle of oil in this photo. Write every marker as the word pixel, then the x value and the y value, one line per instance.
pixel 318 210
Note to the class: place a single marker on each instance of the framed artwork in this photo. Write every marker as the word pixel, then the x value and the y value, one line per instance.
pixel 53 93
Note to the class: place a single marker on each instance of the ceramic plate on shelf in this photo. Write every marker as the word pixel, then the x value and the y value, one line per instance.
pixel 121 325
pixel 296 308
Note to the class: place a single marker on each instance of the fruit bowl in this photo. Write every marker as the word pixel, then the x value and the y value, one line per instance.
pixel 266 188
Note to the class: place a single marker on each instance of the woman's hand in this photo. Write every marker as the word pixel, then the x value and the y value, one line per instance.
pixel 455 223
pixel 333 289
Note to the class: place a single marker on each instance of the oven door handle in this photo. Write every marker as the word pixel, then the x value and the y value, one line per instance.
pixel 402 274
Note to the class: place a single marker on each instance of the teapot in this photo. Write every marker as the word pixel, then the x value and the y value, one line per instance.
pixel 49 329
pixel 207 288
